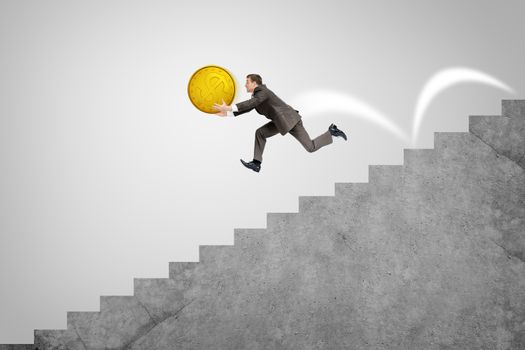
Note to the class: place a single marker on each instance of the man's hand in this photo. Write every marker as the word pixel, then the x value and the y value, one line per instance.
pixel 222 108
pixel 221 114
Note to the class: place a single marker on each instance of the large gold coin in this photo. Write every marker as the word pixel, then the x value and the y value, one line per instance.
pixel 209 85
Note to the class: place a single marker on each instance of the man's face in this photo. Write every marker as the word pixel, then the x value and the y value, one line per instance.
pixel 250 85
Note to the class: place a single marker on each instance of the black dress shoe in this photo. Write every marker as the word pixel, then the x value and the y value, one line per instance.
pixel 252 165
pixel 336 132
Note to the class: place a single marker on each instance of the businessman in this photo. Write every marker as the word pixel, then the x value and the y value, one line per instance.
pixel 284 119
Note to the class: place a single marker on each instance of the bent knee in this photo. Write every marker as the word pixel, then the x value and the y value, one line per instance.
pixel 261 131
pixel 309 148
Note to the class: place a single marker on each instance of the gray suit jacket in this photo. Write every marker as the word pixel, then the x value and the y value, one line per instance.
pixel 272 107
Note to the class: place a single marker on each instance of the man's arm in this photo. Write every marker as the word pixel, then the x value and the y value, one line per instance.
pixel 241 107
pixel 224 109
pixel 233 112
pixel 253 102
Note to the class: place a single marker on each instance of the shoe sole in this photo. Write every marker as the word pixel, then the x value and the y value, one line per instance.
pixel 249 167
pixel 341 135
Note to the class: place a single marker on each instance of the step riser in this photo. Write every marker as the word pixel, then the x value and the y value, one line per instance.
pixel 278 220
pixel 243 237
pixel 127 309
pixel 417 157
pixel 487 123
pixel 309 204
pixel 147 286
pixel 214 254
pixel 505 135
pixel 384 174
pixel 181 270
pixel 352 190
pixel 162 296
pixel 452 146
pixel 66 336
pixel 74 316
pixel 513 109
pixel 450 140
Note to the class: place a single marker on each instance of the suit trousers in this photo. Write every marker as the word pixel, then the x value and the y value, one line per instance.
pixel 298 131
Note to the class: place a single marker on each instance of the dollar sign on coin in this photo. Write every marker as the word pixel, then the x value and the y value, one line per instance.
pixel 209 85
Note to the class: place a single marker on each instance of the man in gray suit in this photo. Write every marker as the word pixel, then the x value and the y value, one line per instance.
pixel 284 119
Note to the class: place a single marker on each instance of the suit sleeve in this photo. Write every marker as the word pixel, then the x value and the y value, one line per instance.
pixel 248 105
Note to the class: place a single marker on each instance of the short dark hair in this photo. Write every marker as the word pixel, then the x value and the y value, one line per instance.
pixel 255 77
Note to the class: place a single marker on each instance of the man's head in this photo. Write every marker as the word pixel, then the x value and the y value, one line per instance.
pixel 252 81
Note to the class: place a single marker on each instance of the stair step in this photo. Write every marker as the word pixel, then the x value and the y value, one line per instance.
pixel 74 316
pixel 452 140
pixel 56 339
pixel 458 150
pixel 492 130
pixel 243 236
pixel 488 124
pixel 385 180
pixel 418 157
pixel 99 330
pixel 314 203
pixel 384 173
pixel 145 287
pixel 215 254
pixel 182 270
pixel 505 135
pixel 112 301
pixel 351 190
pixel 513 109
pixel 162 297
pixel 278 220
pixel 256 245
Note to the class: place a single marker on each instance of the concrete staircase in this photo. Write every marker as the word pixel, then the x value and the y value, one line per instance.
pixel 426 255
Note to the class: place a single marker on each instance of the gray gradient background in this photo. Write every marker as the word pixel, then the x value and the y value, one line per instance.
pixel 108 172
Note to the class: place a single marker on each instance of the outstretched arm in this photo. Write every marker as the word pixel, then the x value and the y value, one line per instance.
pixel 222 108
pixel 225 110
pixel 258 98
pixel 241 107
